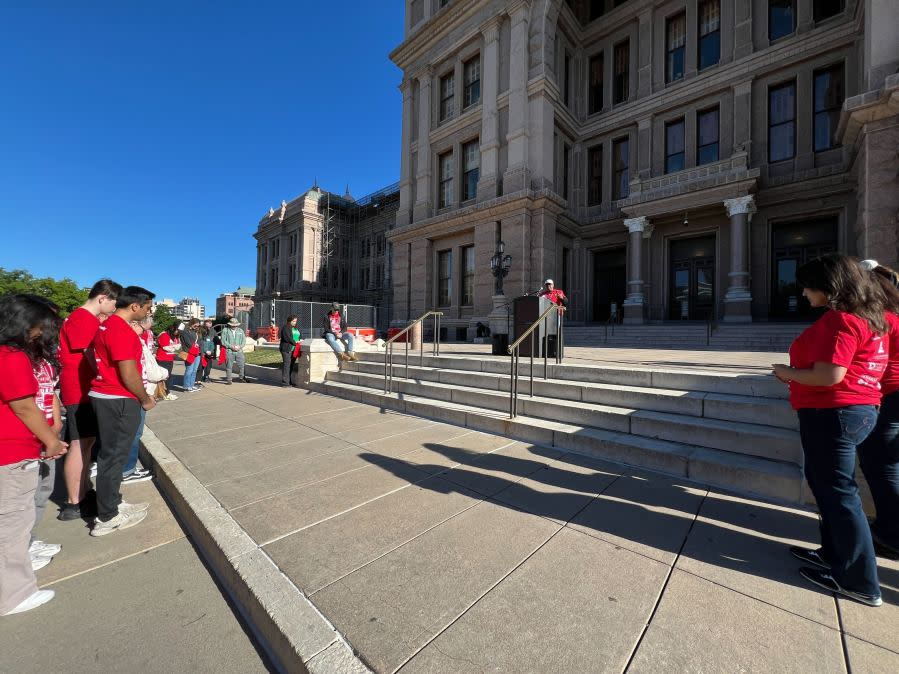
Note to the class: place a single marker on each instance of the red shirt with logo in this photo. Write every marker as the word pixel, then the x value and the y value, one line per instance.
pixel 165 339
pixel 17 443
pixel 115 341
pixel 77 373
pixel 845 340
pixel 555 295
pixel 890 381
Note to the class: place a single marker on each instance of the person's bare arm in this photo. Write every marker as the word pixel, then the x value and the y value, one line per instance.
pixel 821 374
pixel 28 413
pixel 132 381
pixel 57 415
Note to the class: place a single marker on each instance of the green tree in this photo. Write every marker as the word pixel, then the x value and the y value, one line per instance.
pixel 163 318
pixel 65 293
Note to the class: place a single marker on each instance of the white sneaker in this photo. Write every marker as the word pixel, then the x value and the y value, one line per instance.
pixel 37 599
pixel 45 549
pixel 133 507
pixel 39 561
pixel 94 470
pixel 171 396
pixel 124 520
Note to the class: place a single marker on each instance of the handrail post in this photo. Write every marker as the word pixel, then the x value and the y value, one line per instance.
pixel 511 383
pixel 532 365
pixel 545 344
pixel 407 357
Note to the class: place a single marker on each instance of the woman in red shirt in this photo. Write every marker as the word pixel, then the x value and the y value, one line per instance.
pixel 879 454
pixel 168 344
pixel 29 333
pixel 835 369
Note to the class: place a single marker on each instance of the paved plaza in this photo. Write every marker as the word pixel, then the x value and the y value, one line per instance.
pixel 429 547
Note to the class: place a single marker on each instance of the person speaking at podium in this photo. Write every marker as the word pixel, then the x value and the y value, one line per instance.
pixel 553 294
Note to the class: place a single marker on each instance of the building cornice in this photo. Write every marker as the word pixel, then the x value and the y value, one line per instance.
pixel 439 25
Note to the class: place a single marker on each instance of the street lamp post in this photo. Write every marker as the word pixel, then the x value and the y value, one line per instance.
pixel 499 266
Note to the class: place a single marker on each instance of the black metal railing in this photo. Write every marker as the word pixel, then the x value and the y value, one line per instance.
pixel 388 348
pixel 515 353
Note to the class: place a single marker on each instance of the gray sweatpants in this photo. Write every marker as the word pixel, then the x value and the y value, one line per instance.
pixel 45 482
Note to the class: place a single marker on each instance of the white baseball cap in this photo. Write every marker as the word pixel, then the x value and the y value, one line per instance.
pixel 549 280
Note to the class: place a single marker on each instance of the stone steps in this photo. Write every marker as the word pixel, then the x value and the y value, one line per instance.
pixel 779 480
pixel 726 407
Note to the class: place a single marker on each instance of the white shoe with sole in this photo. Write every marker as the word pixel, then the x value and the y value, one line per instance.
pixel 124 520
pixel 45 549
pixel 39 598
pixel 39 561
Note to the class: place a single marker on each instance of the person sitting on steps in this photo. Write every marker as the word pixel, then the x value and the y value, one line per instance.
pixel 337 336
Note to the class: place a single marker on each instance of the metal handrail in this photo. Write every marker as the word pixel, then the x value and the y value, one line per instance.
pixel 610 322
pixel 388 349
pixel 515 353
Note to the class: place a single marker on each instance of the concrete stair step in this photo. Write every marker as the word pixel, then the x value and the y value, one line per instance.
pixel 744 474
pixel 746 438
pixel 728 407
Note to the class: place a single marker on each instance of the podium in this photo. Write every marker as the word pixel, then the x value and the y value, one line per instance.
pixel 527 309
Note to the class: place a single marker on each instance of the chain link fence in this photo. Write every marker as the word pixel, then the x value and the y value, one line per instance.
pixel 310 315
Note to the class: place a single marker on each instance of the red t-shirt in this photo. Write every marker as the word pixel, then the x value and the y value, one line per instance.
pixel 17 443
pixel 76 336
pixel 165 339
pixel 890 381
pixel 116 341
pixel 845 340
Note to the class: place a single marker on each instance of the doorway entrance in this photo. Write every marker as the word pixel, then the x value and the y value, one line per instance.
pixel 609 282
pixel 692 279
pixel 794 244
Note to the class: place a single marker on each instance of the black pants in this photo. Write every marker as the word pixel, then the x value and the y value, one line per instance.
pixel 206 370
pixel 287 366
pixel 118 420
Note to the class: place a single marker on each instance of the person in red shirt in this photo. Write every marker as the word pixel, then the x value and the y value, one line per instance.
pixel 879 454
pixel 28 338
pixel 75 339
pixel 553 294
pixel 834 376
pixel 118 394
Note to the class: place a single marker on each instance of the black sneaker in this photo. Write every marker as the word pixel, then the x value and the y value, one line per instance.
pixel 810 557
pixel 69 512
pixel 825 580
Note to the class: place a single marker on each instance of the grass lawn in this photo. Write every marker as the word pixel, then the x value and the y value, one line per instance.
pixel 264 357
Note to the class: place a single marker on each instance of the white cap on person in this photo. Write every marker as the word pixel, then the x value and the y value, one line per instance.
pixel 548 281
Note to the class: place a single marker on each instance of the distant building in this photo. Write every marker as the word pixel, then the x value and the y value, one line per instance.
pixel 321 247
pixel 190 307
pixel 228 304
pixel 167 302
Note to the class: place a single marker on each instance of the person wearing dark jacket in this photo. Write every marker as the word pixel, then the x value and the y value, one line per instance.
pixel 290 348
pixel 336 334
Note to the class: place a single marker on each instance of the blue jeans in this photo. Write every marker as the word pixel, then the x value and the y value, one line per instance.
pixel 131 463
pixel 346 338
pixel 829 441
pixel 879 458
pixel 190 373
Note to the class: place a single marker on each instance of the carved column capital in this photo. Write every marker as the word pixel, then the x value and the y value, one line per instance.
pixel 740 206
pixel 635 225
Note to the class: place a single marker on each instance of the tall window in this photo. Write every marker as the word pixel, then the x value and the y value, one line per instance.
pixel 621 80
pixel 471 169
pixel 445 198
pixel 594 169
pixel 274 278
pixel 566 267
pixel 674 145
pixel 276 249
pixel 828 103
pixel 471 72
pixel 292 275
pixel 782 122
pixel 620 164
pixel 781 18
pixel 446 96
pixel 597 66
pixel 709 33
pixel 824 9
pixel 444 278
pixel 566 161
pixel 675 46
pixel 707 137
pixel 468 276
pixel 566 67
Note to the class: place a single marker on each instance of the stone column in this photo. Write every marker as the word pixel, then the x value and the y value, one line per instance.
pixel 517 175
pixel 488 182
pixel 403 216
pixel 738 298
pixel 633 303
pixel 742 29
pixel 423 189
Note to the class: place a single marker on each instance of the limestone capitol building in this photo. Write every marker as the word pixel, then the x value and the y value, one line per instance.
pixel 676 159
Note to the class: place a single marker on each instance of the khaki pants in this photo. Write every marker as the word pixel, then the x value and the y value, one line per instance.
pixel 18 483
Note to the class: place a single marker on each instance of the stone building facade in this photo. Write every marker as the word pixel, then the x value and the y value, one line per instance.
pixel 673 159
pixel 322 247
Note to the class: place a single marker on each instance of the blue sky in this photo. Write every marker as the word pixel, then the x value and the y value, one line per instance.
pixel 144 140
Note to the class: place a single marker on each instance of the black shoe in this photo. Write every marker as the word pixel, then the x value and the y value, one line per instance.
pixel 825 580
pixel 810 557
pixel 69 512
pixel 884 549
pixel 245 380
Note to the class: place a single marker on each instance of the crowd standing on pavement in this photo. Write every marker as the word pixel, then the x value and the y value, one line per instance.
pixel 844 378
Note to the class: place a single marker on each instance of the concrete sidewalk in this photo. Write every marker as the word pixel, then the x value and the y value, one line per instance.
pixel 135 601
pixel 434 548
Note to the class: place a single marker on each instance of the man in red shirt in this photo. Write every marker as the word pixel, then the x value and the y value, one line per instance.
pixel 118 394
pixel 553 294
pixel 75 339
